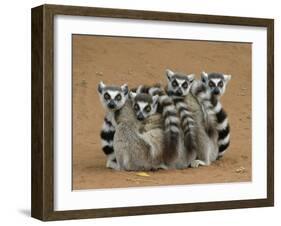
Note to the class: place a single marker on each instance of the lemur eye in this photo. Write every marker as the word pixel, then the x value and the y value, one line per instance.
pixel 136 107
pixel 174 84
pixel 211 84
pixel 147 109
pixel 184 85
pixel 118 97
pixel 220 84
pixel 106 96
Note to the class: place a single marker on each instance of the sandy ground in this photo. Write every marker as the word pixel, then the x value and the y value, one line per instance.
pixel 137 61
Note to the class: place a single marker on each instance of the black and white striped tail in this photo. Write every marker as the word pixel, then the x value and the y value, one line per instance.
pixel 171 121
pixel 152 90
pixel 107 135
pixel 171 127
pixel 187 123
pixel 223 129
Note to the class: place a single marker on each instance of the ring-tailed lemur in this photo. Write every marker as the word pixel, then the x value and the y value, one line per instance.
pixel 215 84
pixel 144 105
pixel 139 137
pixel 178 88
pixel 196 138
pixel 113 98
pixel 171 121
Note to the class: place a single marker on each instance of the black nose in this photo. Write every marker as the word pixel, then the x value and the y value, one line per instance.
pixel 111 104
pixel 140 117
pixel 216 91
pixel 179 92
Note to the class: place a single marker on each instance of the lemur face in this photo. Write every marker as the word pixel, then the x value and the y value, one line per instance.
pixel 144 105
pixel 216 82
pixel 178 84
pixel 113 97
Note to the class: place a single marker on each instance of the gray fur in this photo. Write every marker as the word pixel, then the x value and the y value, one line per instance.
pixel 171 121
pixel 138 145
pixel 207 148
pixel 204 98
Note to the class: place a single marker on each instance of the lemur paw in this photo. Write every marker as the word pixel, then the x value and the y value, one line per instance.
pixel 112 165
pixel 196 163
pixel 163 166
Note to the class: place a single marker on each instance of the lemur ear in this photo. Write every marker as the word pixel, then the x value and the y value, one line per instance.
pixel 155 100
pixel 204 77
pixel 190 77
pixel 169 74
pixel 101 86
pixel 139 89
pixel 132 95
pixel 227 78
pixel 125 89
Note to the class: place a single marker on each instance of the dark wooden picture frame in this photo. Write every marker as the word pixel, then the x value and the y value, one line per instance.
pixel 42 203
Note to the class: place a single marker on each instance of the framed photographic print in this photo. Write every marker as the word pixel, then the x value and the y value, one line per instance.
pixel 141 112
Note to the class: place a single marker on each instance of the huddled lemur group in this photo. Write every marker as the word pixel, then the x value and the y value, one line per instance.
pixel 179 126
